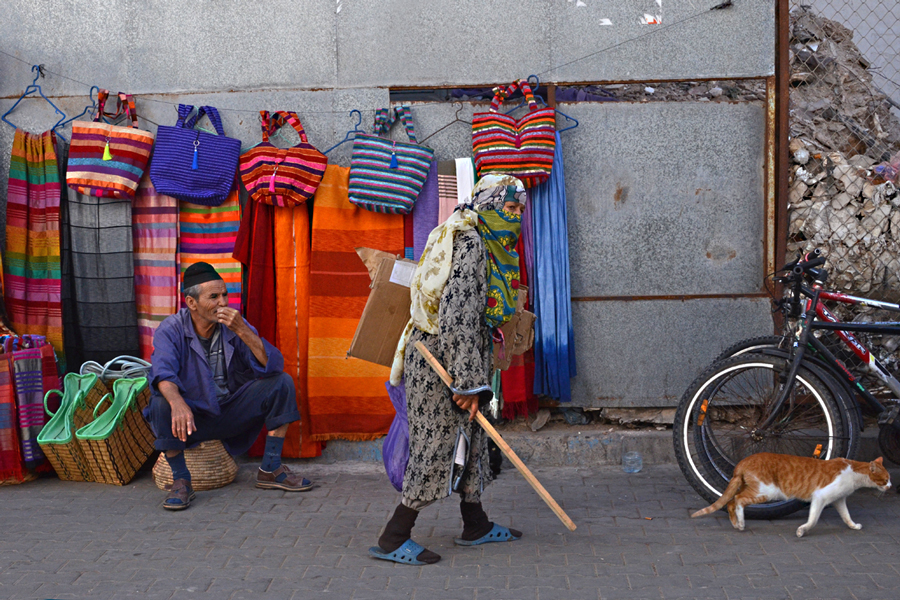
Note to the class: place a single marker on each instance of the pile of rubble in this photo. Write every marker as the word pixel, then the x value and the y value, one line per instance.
pixel 842 128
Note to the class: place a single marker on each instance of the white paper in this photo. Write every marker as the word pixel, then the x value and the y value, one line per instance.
pixel 402 273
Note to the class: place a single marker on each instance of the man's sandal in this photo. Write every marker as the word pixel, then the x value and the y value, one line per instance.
pixel 406 554
pixel 498 533
pixel 180 495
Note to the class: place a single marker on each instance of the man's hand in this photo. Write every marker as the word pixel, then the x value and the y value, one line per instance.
pixel 182 420
pixel 231 319
pixel 467 403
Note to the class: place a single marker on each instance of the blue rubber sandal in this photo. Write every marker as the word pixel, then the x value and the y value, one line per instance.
pixel 498 533
pixel 405 554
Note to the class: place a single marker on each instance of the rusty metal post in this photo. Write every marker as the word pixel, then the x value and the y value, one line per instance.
pixel 782 135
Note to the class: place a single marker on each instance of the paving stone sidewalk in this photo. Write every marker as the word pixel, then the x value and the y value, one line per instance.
pixel 634 540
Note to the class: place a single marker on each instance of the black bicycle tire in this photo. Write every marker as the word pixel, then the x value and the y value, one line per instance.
pixel 750 345
pixel 709 482
pixel 841 390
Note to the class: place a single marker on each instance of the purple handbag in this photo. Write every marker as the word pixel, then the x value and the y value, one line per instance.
pixel 192 165
pixel 395 449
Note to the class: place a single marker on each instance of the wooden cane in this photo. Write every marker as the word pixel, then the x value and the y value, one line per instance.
pixel 489 429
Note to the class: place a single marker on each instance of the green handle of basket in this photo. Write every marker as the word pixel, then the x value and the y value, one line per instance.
pixel 47 395
pixel 96 408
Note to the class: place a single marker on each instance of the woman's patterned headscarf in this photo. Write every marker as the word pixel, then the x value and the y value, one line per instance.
pixel 499 231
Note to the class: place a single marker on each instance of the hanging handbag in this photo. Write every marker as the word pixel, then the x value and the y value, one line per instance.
pixel 282 176
pixel 192 165
pixel 105 160
pixel 522 148
pixel 387 176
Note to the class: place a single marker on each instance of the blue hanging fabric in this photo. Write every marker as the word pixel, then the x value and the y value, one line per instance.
pixel 550 286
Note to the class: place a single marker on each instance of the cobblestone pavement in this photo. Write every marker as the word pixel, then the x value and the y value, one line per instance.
pixel 634 540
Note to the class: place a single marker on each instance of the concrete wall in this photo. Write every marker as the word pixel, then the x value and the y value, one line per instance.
pixel 664 198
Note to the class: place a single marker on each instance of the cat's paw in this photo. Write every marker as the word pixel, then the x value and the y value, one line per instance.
pixel 801 530
pixel 855 526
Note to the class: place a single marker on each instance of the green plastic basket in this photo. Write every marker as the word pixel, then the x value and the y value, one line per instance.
pixel 117 443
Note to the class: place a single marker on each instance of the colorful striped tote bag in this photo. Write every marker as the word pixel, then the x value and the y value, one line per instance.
pixel 105 160
pixel 522 148
pixel 386 176
pixel 282 176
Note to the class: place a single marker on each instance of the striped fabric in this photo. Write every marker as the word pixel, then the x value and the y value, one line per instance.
pixel 207 234
pixel 446 189
pixel 154 230
pixel 32 284
pixel 386 176
pixel 282 176
pixel 34 373
pixel 521 148
pixel 292 306
pixel 347 398
pixel 11 468
pixel 93 172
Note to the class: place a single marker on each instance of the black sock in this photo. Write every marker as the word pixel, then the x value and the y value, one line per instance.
pixel 399 529
pixel 178 466
pixel 272 456
pixel 475 521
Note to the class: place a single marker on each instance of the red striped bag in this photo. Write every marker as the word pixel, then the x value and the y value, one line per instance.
pixel 282 176
pixel 386 176
pixel 522 147
pixel 105 160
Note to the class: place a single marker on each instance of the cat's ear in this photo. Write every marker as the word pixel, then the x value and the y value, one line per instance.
pixel 878 460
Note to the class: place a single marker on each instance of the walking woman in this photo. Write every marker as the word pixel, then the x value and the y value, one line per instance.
pixel 465 287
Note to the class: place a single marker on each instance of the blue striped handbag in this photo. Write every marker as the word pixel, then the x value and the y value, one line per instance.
pixel 387 176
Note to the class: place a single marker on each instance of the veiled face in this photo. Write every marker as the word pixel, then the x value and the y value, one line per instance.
pixel 514 208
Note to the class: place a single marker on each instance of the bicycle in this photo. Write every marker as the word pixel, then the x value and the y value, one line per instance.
pixel 788 394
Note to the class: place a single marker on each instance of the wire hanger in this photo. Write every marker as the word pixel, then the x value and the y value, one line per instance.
pixel 456 120
pixel 38 70
pixel 354 131
pixel 88 110
pixel 568 120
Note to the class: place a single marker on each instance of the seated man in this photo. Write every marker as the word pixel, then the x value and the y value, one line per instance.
pixel 214 378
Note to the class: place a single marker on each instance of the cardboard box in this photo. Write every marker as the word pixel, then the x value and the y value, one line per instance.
pixel 386 313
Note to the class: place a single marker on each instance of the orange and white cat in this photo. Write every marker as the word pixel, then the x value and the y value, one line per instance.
pixel 767 477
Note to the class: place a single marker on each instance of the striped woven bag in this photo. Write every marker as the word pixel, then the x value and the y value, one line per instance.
pixel 522 148
pixel 282 176
pixel 386 176
pixel 105 160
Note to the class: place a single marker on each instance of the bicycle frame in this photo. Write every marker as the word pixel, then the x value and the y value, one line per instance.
pixel 828 321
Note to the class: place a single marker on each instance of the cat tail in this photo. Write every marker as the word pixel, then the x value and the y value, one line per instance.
pixel 734 486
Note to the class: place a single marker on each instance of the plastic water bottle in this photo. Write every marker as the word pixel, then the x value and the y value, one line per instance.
pixel 632 462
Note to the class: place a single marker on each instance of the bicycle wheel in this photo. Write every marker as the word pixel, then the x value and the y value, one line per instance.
pixel 843 394
pixel 718 421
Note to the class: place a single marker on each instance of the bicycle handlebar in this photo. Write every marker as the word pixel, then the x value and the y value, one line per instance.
pixel 805 265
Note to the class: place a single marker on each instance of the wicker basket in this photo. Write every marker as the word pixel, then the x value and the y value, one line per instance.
pixel 57 438
pixel 117 446
pixel 210 465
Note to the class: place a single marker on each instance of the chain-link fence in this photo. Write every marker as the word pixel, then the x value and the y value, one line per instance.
pixel 845 147
pixel 845 141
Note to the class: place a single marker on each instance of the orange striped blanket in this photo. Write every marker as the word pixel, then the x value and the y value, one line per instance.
pixel 347 397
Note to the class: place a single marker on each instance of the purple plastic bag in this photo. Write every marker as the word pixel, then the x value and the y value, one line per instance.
pixel 395 450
